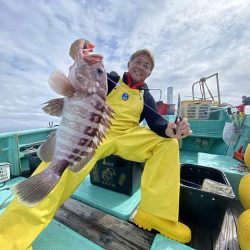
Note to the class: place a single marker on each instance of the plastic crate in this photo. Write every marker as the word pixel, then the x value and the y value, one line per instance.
pixel 117 174
pixel 198 205
pixel 196 109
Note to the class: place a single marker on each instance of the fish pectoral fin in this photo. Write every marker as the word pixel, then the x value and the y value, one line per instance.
pixel 61 84
pixel 54 107
pixel 109 111
pixel 46 150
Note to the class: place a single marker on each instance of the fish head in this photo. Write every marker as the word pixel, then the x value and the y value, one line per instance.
pixel 87 71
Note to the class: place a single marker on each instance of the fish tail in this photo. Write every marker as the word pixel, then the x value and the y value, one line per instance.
pixel 36 188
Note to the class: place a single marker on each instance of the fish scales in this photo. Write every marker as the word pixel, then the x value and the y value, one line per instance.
pixel 81 129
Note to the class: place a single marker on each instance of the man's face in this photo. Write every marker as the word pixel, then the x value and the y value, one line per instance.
pixel 140 68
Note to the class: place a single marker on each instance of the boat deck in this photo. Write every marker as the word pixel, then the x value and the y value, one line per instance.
pixel 112 233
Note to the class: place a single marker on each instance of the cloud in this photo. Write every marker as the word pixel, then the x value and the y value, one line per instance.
pixel 190 39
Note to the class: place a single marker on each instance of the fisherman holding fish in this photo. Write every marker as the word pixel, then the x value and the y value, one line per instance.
pixel 101 117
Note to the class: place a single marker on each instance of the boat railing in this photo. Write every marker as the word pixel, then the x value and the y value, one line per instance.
pixel 17 147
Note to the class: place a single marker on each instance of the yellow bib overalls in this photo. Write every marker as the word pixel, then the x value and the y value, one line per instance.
pixel 20 225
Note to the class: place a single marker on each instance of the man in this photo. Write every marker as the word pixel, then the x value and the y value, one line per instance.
pixel 157 147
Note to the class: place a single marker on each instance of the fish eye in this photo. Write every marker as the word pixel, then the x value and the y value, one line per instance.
pixel 100 71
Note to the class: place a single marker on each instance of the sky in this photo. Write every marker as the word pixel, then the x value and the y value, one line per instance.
pixel 190 39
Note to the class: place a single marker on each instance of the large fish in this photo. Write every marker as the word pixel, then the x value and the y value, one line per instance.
pixel 85 120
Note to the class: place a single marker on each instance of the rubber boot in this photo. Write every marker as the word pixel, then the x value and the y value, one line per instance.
pixel 171 229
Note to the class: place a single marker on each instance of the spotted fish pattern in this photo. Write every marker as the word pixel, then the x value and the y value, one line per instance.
pixel 85 119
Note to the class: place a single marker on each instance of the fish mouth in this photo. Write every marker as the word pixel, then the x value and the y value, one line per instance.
pixel 92 58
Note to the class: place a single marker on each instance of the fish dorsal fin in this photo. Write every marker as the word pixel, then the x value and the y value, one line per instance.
pixel 46 150
pixel 108 114
pixel 61 84
pixel 54 107
pixel 108 111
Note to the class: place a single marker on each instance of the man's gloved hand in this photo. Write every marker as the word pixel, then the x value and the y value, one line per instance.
pixel 80 43
pixel 182 129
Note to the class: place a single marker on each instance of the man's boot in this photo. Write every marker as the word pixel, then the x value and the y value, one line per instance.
pixel 171 229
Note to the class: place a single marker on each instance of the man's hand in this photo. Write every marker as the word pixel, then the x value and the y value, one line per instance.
pixel 80 44
pixel 182 129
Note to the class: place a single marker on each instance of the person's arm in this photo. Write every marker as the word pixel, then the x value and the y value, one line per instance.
pixel 154 120
pixel 160 125
pixel 80 44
